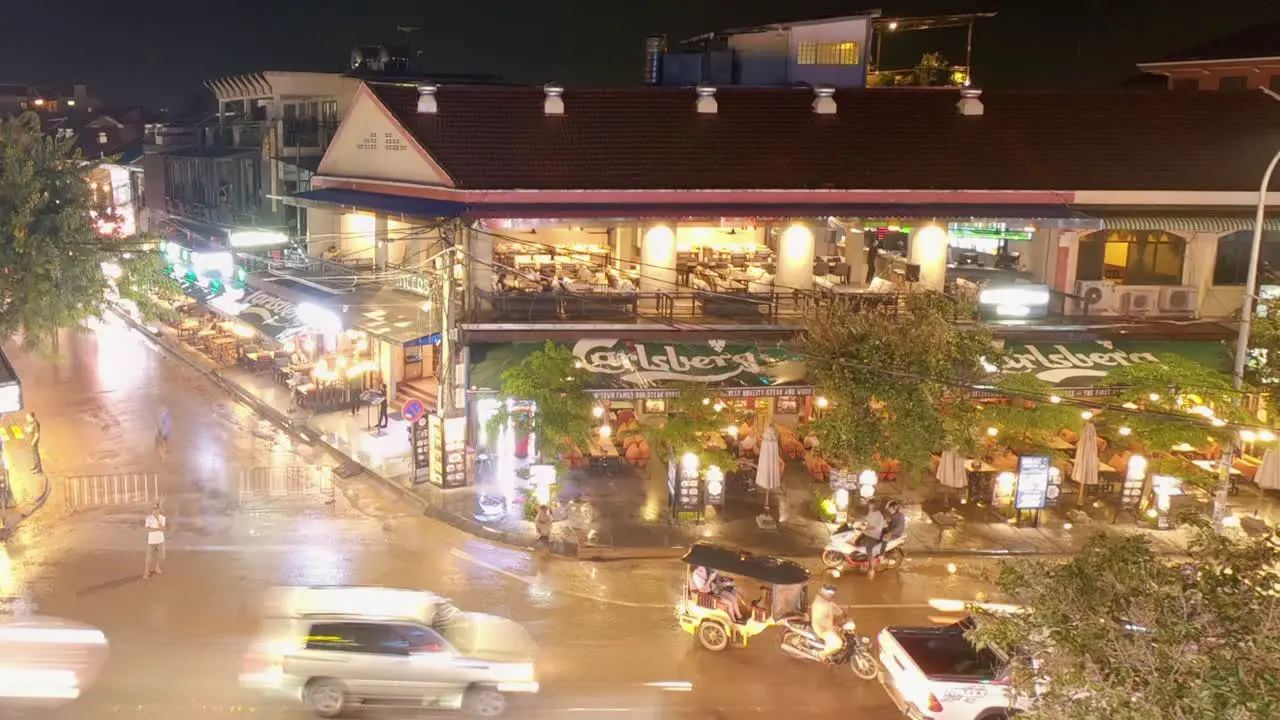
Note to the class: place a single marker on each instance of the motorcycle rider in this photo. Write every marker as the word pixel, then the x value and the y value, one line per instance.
pixel 826 617
pixel 896 526
pixel 873 529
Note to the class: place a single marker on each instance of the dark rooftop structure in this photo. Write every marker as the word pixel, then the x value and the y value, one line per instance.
pixel 1258 41
pixel 488 137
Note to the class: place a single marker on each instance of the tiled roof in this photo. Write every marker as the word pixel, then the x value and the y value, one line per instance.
pixel 1258 41
pixel 489 137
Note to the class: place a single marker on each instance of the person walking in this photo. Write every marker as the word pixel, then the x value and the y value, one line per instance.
pixel 33 429
pixel 542 523
pixel 155 525
pixel 164 427
pixel 382 407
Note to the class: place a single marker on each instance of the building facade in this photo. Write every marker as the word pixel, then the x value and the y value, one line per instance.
pixel 673 234
pixel 1244 60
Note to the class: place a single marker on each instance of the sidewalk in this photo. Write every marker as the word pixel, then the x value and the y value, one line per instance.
pixel 625 513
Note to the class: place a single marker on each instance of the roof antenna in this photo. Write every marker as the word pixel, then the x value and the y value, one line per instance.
pixel 408 41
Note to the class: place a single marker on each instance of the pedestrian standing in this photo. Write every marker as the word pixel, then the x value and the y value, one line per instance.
pixel 33 430
pixel 542 523
pixel 382 407
pixel 155 525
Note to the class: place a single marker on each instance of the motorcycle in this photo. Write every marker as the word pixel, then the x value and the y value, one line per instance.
pixel 844 551
pixel 799 640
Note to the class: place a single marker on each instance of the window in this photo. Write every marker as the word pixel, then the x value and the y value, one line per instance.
pixel 413 639
pixel 1231 265
pixel 1274 83
pixel 827 53
pixel 1132 257
pixel 1186 84
pixel 392 142
pixel 1232 83
pixel 102 138
pixel 369 638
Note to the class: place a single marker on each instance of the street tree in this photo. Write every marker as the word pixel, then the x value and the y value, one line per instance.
pixel 694 417
pixel 1028 418
pixel 897 379
pixel 557 385
pixel 51 258
pixel 1120 632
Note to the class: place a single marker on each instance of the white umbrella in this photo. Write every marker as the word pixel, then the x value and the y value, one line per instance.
pixel 1085 469
pixel 1268 475
pixel 951 472
pixel 768 472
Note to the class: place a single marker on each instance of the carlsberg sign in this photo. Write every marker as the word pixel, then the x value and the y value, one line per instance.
pixel 641 363
pixel 1056 363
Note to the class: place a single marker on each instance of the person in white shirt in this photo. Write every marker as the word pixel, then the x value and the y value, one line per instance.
pixel 155 525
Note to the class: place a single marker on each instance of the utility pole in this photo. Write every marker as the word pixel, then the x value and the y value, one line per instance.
pixel 447 400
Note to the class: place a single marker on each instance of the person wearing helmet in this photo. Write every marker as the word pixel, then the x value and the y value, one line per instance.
pixel 825 617
pixel 896 523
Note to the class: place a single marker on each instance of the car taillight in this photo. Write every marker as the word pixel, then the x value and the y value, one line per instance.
pixel 934 705
pixel 261 663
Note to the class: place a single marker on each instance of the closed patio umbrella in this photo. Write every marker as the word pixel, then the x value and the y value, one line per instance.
pixel 951 473
pixel 768 470
pixel 1085 468
pixel 1268 475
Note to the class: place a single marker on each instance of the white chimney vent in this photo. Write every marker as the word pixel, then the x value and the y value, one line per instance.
pixel 970 102
pixel 824 100
pixel 427 98
pixel 553 102
pixel 707 104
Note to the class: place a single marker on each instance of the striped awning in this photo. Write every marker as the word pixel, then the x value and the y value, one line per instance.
pixel 1215 223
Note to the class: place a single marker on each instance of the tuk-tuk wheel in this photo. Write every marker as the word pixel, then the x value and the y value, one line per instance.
pixel 713 635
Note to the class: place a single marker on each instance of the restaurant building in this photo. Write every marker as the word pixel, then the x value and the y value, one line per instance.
pixel 687 231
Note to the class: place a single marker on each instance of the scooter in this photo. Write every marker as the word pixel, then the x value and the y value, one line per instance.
pixel 799 640
pixel 844 552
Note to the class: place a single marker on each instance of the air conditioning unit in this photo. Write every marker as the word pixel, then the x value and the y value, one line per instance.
pixel 1098 296
pixel 1139 300
pixel 1180 300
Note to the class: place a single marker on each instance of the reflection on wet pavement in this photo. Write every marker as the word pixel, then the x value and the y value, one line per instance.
pixel 606 631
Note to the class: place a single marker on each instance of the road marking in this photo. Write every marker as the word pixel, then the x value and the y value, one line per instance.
pixel 888 606
pixel 16 432
pixel 529 581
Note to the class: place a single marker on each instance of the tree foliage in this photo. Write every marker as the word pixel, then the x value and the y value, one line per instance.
pixel 895 380
pixel 51 257
pixel 144 281
pixel 692 416
pixel 1027 425
pixel 1118 632
pixel 553 379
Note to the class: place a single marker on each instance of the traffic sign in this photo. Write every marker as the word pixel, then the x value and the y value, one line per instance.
pixel 413 410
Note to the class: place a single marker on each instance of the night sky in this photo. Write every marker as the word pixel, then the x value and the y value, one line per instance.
pixel 159 52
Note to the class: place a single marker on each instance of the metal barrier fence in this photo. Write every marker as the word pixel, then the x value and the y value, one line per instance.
pixel 90 491
pixel 267 483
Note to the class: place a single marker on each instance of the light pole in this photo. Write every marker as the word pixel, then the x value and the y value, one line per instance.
pixel 1242 335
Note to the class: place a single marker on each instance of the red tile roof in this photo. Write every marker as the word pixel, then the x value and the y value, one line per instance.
pixel 497 137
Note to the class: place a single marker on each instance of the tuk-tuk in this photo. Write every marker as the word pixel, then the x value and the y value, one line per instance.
pixel 784 591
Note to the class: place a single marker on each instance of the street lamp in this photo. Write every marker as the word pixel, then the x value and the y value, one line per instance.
pixel 1242 335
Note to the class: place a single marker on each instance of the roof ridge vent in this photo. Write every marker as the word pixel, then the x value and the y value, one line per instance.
pixel 970 102
pixel 707 104
pixel 553 99
pixel 427 98
pixel 824 100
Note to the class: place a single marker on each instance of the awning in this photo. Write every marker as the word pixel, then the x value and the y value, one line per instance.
pixel 1173 222
pixel 271 315
pixel 333 198
pixel 393 315
pixel 626 370
pixel 1086 365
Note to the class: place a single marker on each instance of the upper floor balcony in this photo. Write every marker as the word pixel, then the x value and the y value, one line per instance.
pixel 302 135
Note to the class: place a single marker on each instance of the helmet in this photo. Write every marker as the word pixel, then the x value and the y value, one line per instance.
pixel 828 591
pixel 893 506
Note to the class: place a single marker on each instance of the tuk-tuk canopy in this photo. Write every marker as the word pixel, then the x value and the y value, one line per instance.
pixel 765 568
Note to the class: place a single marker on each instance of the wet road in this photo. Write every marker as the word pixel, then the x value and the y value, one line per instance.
pixel 608 643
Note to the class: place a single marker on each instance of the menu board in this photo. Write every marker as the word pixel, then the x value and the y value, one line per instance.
pixel 447 450
pixel 435 445
pixel 1131 491
pixel 418 439
pixel 1032 491
pixel 455 451
pixel 688 490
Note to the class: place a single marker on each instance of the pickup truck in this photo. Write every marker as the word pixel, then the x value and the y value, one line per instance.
pixel 935 673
